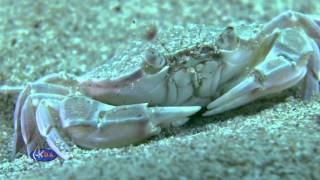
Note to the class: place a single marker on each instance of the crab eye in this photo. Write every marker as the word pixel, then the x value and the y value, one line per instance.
pixel 228 40
pixel 153 61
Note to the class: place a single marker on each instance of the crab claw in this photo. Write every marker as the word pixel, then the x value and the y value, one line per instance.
pixel 135 88
pixel 282 68
pixel 171 116
pixel 92 124
pixel 255 86
pixel 147 83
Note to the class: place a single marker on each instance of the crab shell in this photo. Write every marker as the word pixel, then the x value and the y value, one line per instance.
pixel 209 68
pixel 188 70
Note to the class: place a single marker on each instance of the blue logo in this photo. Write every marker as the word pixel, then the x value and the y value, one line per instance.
pixel 43 154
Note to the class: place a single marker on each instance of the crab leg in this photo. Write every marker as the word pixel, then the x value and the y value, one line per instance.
pixel 11 89
pixel 18 139
pixel 28 121
pixel 40 86
pixel 311 81
pixel 47 127
pixel 293 19
pixel 24 108
pixel 24 92
pixel 54 78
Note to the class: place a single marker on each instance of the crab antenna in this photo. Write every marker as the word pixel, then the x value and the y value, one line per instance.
pixel 11 89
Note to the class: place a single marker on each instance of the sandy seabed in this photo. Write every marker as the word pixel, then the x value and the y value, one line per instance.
pixel 273 138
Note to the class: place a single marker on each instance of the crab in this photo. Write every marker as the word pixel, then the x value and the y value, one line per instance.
pixel 159 84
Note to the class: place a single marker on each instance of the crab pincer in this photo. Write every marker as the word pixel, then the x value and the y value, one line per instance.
pixel 92 124
pixel 293 56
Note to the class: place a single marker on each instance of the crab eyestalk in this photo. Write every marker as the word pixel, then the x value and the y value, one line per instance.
pixel 228 39
pixel 153 61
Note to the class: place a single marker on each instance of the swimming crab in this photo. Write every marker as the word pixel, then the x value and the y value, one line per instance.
pixel 159 84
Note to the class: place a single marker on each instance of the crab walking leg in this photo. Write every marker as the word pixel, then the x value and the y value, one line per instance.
pixel 293 19
pixel 31 136
pixel 51 78
pixel 55 78
pixel 18 139
pixel 316 19
pixel 311 81
pixel 44 89
pixel 92 124
pixel 47 127
pixel 282 68
pixel 11 89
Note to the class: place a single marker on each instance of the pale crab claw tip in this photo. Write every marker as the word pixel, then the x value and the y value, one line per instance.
pixel 230 105
pixel 174 116
pixel 65 156
pixel 241 89
pixel 209 113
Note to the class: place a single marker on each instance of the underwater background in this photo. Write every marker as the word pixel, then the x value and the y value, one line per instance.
pixel 273 138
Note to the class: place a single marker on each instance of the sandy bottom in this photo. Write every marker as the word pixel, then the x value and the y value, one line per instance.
pixel 272 138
